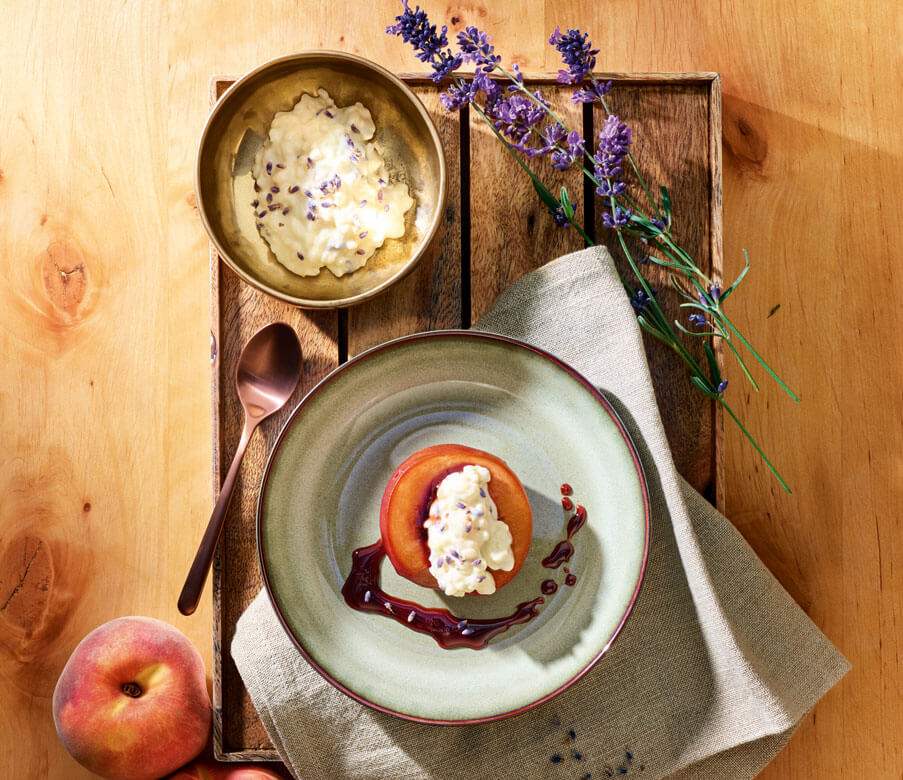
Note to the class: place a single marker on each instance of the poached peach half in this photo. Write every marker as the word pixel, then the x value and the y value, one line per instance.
pixel 412 488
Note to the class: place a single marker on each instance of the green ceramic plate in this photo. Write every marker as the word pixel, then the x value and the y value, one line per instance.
pixel 320 498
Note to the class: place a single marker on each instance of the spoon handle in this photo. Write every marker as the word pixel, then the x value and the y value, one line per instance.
pixel 197 574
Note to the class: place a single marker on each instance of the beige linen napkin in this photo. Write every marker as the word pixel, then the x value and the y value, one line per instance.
pixel 712 673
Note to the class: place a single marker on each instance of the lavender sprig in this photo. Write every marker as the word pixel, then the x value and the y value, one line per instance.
pixel 414 28
pixel 525 122
pixel 576 53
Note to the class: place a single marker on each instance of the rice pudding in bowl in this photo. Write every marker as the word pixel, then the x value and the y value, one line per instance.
pixel 410 156
pixel 323 195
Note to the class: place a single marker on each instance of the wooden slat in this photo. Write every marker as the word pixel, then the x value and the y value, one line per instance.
pixel 511 231
pixel 240 311
pixel 671 144
pixel 495 230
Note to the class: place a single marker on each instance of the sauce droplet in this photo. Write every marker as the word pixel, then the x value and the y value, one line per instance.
pixel 562 553
pixel 576 522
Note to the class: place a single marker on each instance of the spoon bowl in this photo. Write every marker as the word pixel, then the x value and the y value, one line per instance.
pixel 268 372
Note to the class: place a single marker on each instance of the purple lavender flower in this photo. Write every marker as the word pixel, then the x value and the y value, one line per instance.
pixel 722 386
pixel 697 319
pixel 516 117
pixel 444 64
pixel 330 185
pixel 640 300
pixel 476 48
pixel 518 76
pixel 459 95
pixel 554 135
pixel 565 158
pixel 430 46
pixel 596 91
pixel 559 217
pixel 576 53
pixel 714 293
pixel 614 138
pixel 491 88
pixel 414 27
pixel 609 187
pixel 620 218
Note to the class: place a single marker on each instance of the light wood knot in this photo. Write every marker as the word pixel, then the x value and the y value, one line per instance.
pixel 65 277
pixel 26 582
pixel 744 143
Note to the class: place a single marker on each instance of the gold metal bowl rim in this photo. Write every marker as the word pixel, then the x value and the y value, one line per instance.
pixel 404 89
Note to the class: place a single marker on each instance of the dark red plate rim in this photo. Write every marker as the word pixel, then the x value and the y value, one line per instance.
pixel 456 334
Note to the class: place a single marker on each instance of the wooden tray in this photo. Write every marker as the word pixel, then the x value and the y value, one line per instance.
pixel 495 230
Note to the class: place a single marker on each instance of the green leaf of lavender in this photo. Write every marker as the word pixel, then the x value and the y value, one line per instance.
pixel 703 386
pixel 566 204
pixel 666 204
pixel 544 195
pixel 713 363
pixel 739 279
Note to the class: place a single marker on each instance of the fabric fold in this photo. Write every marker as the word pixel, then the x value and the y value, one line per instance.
pixel 710 676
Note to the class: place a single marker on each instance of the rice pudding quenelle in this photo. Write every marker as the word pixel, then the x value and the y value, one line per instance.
pixel 323 195
pixel 465 535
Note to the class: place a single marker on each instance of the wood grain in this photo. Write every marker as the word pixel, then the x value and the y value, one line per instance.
pixel 105 399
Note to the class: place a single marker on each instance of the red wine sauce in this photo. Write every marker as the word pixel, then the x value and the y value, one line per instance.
pixel 362 592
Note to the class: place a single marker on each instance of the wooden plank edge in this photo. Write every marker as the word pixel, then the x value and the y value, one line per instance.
pixel 423 79
pixel 217 573
pixel 219 752
pixel 250 756
pixel 717 249
pixel 701 78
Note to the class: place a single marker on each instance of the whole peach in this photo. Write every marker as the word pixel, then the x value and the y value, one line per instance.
pixel 131 702
pixel 211 770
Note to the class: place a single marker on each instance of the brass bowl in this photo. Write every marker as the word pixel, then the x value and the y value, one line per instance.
pixel 237 127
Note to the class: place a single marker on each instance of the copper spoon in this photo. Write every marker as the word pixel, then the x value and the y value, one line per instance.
pixel 269 368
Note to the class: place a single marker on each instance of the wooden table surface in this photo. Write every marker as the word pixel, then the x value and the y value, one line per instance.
pixel 105 343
